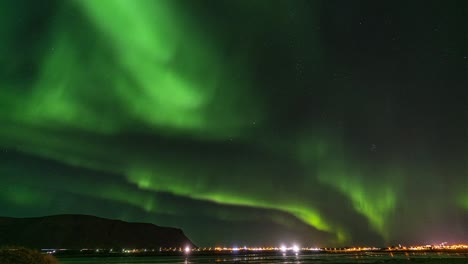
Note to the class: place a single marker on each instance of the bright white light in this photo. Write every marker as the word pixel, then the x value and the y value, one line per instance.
pixel 295 248
pixel 283 248
pixel 187 249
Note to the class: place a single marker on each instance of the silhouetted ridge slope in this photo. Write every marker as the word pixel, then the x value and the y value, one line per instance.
pixel 84 231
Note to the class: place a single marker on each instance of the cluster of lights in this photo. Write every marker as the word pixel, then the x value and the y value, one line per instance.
pixel 240 248
pixel 283 249
pixel 350 249
pixel 442 246
pixel 294 248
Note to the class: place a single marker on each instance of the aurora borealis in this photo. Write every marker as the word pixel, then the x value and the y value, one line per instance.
pixel 254 122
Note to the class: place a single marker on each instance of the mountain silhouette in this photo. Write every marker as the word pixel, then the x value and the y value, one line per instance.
pixel 84 231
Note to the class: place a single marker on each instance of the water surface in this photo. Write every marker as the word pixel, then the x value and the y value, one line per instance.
pixel 394 258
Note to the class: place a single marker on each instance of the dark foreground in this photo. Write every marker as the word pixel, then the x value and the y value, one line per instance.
pixel 432 258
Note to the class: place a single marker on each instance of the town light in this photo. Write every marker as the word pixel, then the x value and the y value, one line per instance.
pixel 295 248
pixel 283 248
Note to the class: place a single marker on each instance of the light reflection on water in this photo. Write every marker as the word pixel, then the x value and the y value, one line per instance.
pixel 394 258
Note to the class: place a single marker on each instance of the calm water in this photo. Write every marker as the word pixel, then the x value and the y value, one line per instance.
pixel 305 259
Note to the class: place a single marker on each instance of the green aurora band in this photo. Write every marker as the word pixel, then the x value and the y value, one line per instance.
pixel 146 106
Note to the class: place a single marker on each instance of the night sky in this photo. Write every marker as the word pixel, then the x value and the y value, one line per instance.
pixel 324 123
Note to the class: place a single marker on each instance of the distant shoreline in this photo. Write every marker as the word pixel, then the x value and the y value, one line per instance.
pixel 77 253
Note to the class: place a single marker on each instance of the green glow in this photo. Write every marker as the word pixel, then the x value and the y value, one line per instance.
pixel 169 98
pixel 24 196
pixel 168 75
pixel 61 93
pixel 179 73
pixel 163 177
pixel 375 199
pixel 234 106
pixel 463 200
pixel 203 191
pixel 145 176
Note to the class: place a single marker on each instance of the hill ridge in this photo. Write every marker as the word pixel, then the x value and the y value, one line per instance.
pixel 76 231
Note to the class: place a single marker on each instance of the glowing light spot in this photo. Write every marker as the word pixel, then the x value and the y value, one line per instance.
pixel 295 248
pixel 283 248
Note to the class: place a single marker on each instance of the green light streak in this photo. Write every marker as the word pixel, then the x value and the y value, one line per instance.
pixel 181 78
pixel 374 199
pixel 149 56
pixel 162 176
pixel 122 70
pixel 148 181
pixel 149 65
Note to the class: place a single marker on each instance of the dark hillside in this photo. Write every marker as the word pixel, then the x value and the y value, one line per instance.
pixel 83 231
